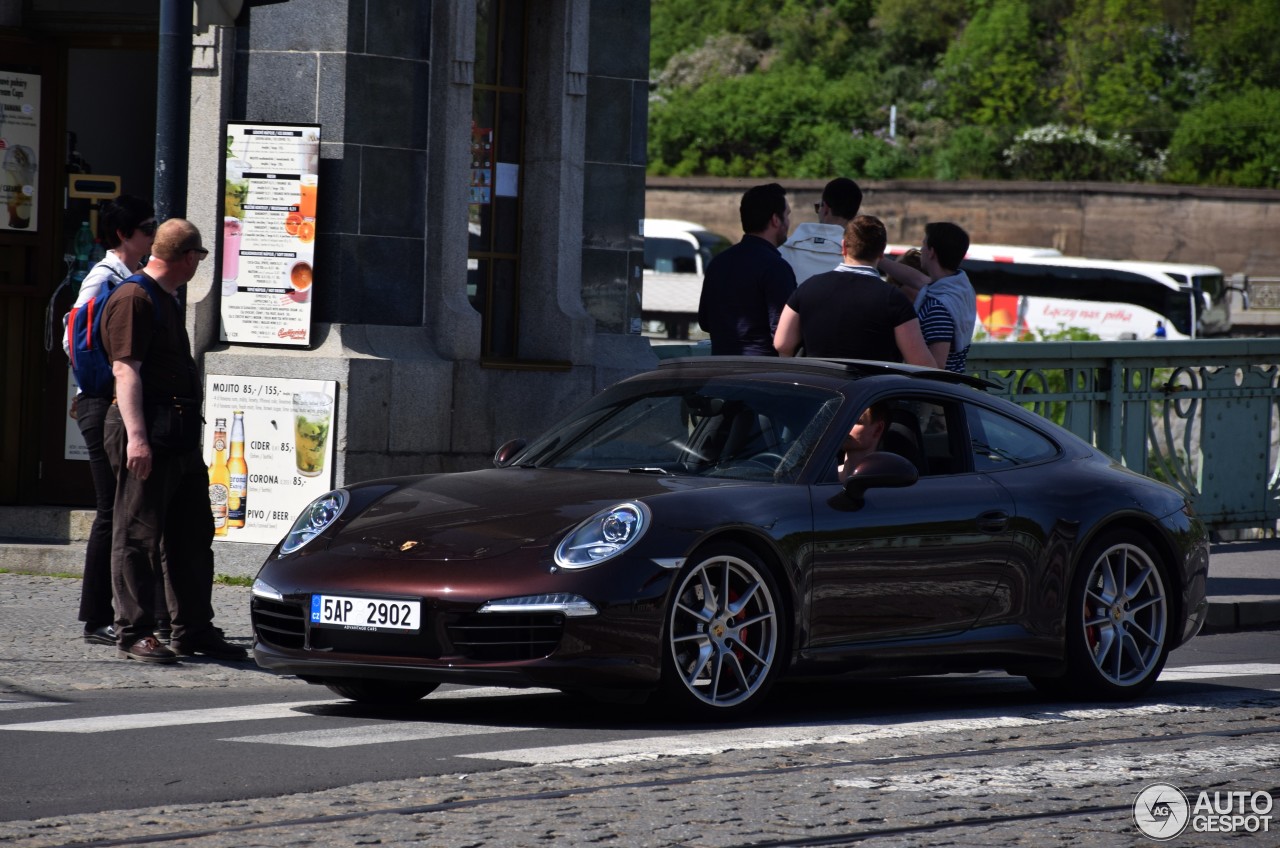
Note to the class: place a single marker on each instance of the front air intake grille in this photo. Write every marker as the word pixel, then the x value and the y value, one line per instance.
pixel 280 624
pixel 505 637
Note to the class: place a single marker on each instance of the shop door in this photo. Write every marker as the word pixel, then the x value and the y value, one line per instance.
pixel 29 229
pixel 81 132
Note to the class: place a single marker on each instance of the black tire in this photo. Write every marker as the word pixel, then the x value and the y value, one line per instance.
pixel 380 692
pixel 724 634
pixel 1119 620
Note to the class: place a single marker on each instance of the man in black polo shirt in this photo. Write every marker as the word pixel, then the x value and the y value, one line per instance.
pixel 747 286
pixel 851 313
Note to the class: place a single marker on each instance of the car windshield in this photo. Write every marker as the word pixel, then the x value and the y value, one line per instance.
pixel 709 428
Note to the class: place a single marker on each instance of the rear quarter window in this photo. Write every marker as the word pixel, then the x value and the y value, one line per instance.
pixel 999 442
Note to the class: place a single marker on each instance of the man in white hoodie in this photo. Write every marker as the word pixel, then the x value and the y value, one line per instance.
pixel 815 248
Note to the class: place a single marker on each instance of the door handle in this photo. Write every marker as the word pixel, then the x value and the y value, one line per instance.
pixel 993 521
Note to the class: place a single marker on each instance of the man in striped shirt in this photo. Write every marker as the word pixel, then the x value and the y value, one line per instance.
pixel 944 298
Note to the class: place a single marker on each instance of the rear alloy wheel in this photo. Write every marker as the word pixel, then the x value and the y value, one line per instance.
pixel 380 692
pixel 1118 619
pixel 724 630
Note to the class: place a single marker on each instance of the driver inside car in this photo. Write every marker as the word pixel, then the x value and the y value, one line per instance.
pixel 864 437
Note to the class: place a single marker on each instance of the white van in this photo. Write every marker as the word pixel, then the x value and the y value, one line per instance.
pixel 676 255
pixel 679 247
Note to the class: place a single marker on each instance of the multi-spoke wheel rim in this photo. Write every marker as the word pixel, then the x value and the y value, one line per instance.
pixel 723 631
pixel 1125 615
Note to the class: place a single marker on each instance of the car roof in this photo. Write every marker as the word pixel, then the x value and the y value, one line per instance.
pixel 853 369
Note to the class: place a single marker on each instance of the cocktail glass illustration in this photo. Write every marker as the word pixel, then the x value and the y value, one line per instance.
pixel 312 412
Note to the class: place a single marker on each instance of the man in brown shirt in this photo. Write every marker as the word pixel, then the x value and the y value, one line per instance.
pixel 152 436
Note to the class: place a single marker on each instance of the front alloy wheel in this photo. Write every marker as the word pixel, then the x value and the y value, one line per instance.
pixel 724 630
pixel 1118 620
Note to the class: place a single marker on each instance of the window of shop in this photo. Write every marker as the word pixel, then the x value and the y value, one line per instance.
pixel 497 154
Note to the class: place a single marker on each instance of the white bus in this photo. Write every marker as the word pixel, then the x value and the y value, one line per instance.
pixel 1037 291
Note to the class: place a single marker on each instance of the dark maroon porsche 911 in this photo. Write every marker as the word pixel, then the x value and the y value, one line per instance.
pixel 687 533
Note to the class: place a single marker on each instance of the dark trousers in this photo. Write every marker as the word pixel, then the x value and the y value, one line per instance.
pixel 169 512
pixel 95 591
pixel 96 608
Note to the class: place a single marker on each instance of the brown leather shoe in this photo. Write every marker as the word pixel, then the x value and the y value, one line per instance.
pixel 148 649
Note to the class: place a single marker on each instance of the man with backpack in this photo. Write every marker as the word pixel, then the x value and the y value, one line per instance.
pixel 152 436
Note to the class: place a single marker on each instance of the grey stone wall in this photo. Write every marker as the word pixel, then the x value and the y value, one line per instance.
pixel 1233 229
pixel 362 71
pixel 617 132
pixel 390 84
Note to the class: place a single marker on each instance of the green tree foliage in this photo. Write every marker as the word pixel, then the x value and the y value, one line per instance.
pixel 1125 68
pixel 1237 42
pixel 1045 89
pixel 991 73
pixel 1232 141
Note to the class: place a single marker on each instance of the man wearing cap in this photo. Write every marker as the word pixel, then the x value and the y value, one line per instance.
pixel 152 437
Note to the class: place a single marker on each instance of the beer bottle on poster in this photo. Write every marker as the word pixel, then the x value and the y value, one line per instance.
pixel 238 472
pixel 219 478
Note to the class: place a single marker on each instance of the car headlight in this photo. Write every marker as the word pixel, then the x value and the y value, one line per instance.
pixel 315 518
pixel 605 534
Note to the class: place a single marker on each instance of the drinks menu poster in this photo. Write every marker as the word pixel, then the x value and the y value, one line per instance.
pixel 269 232
pixel 268 444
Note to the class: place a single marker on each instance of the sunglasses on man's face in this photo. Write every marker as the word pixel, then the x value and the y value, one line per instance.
pixel 148 227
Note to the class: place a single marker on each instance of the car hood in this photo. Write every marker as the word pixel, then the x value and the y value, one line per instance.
pixel 483 514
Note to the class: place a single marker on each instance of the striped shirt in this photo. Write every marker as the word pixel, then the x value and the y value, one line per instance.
pixel 937 325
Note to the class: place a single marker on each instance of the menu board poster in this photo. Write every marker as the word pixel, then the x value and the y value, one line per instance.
pixel 268 443
pixel 269 233
pixel 19 143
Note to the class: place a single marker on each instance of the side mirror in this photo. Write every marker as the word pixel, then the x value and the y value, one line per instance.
pixel 503 455
pixel 880 470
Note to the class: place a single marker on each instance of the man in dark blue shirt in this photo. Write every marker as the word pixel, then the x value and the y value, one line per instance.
pixel 747 286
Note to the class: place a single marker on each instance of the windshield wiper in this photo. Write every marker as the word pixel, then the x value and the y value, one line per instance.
pixel 648 469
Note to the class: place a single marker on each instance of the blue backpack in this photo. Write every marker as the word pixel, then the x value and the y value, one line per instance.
pixel 89 361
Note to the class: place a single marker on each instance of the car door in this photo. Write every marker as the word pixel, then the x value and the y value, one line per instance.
pixel 923 560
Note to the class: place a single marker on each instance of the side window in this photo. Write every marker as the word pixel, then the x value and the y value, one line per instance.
pixel 999 442
pixel 923 431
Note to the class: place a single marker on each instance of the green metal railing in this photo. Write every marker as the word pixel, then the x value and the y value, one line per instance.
pixel 1203 416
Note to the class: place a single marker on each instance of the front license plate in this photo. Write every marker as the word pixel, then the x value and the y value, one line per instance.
pixel 365 613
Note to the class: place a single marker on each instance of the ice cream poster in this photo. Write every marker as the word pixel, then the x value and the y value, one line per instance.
pixel 269 233
pixel 19 150
pixel 268 445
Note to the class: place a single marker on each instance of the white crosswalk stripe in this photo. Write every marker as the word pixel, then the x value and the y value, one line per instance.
pixel 141 721
pixel 587 755
pixel 1066 774
pixel 26 705
pixel 375 734
pixel 1213 672
pixel 682 744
